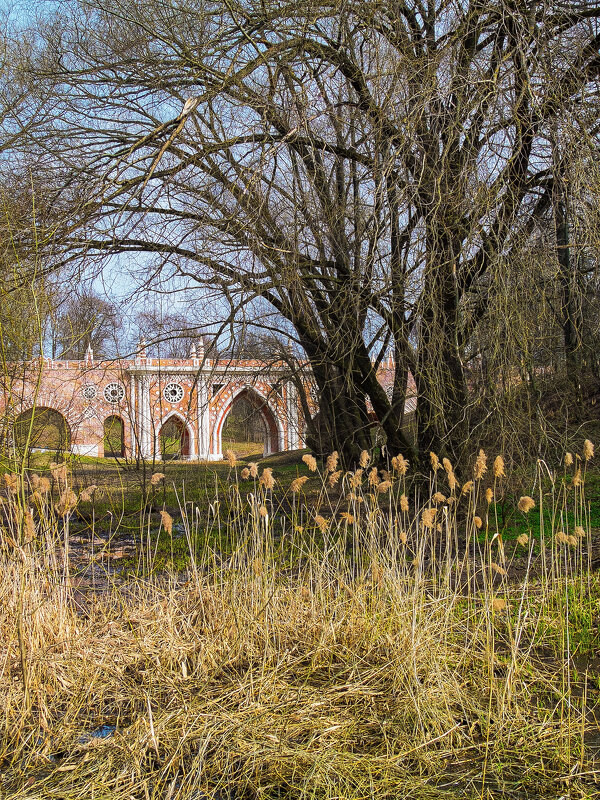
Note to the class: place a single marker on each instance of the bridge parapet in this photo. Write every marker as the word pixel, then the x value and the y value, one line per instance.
pixel 143 395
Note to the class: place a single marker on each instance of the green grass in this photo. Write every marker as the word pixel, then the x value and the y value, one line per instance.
pixel 512 523
pixel 124 484
pixel 124 489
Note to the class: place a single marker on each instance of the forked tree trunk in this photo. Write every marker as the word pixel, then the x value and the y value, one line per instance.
pixel 442 404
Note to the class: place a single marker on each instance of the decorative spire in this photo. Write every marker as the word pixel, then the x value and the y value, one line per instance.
pixel 193 351
pixel 200 349
pixel 142 348
pixel 89 354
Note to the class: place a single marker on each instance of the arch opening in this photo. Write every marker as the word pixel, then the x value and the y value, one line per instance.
pixel 48 427
pixel 114 437
pixel 248 426
pixel 174 439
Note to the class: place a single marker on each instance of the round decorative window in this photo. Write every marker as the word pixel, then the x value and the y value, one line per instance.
pixel 173 392
pixel 89 392
pixel 114 393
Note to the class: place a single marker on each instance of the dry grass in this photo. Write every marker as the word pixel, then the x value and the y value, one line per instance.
pixel 326 658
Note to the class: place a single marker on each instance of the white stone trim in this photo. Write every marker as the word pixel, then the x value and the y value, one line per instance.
pixel 206 371
pixel 147 449
pixel 134 442
pixel 86 449
pixel 293 427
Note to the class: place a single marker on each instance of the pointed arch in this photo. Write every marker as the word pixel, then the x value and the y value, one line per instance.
pixel 274 432
pixel 175 437
pixel 114 436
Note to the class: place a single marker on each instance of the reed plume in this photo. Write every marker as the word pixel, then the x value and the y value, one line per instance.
pixel 526 504
pixel 310 461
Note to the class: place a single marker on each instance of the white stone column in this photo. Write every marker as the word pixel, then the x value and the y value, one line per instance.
pixel 215 454
pixel 150 432
pixel 203 418
pixel 146 432
pixel 139 420
pixel 132 416
pixel 140 413
pixel 293 426
pixel 269 443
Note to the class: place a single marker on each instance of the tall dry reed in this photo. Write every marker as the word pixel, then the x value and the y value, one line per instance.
pixel 362 642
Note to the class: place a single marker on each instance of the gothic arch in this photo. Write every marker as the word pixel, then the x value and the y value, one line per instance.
pixel 274 441
pixel 113 430
pixel 188 439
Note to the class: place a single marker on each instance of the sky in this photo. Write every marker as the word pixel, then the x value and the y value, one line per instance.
pixel 118 280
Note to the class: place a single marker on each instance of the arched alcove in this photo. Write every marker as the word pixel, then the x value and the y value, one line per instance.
pixel 244 429
pixel 42 428
pixel 248 406
pixel 114 437
pixel 174 439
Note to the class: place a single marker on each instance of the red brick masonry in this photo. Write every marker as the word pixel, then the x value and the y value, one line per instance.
pixel 197 393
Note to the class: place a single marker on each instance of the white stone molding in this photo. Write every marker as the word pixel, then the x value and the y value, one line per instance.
pixel 148 451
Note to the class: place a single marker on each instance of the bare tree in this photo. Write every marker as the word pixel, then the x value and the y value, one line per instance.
pixel 368 171
pixel 83 320
pixel 171 335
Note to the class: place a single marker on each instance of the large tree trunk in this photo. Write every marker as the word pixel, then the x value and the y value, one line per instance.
pixel 442 423
pixel 389 413
pixel 344 424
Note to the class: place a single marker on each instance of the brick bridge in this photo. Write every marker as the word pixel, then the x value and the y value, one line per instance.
pixel 142 397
